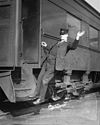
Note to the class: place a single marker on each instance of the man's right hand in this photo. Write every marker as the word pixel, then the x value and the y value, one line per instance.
pixel 44 44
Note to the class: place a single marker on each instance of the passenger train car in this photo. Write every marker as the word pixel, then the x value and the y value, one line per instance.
pixel 25 23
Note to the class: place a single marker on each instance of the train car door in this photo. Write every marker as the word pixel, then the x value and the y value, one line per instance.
pixel 30 16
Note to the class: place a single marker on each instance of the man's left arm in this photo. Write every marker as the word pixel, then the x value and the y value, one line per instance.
pixel 76 41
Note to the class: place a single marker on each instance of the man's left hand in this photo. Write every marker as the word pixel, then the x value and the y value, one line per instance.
pixel 79 34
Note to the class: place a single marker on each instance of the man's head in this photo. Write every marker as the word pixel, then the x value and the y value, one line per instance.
pixel 64 34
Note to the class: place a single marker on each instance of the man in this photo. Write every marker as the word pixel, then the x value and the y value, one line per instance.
pixel 46 73
pixel 48 66
pixel 63 47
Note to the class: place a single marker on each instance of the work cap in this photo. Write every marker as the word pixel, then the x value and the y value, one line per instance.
pixel 63 31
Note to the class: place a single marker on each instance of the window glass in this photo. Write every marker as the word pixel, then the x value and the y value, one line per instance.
pixel 53 18
pixel 93 38
pixel 73 24
pixel 84 39
pixel 4 12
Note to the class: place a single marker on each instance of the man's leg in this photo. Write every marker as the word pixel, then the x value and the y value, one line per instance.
pixel 67 75
pixel 39 81
pixel 45 80
pixel 69 86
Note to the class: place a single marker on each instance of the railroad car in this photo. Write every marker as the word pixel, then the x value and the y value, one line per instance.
pixel 25 23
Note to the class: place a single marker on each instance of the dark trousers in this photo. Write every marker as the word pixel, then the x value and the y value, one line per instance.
pixel 46 74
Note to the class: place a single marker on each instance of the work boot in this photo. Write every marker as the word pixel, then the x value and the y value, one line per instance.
pixel 67 97
pixel 55 98
pixel 38 101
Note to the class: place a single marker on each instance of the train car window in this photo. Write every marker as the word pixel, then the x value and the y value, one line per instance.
pixel 31 28
pixel 53 18
pixel 84 39
pixel 4 12
pixel 74 25
pixel 93 38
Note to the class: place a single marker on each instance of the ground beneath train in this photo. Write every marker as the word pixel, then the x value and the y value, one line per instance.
pixel 83 111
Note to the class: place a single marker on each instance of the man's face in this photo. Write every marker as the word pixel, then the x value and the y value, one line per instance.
pixel 64 37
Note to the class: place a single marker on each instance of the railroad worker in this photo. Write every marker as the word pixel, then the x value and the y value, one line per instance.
pixel 46 73
pixel 48 65
pixel 63 47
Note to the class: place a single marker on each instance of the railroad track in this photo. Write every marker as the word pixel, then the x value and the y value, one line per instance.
pixel 27 107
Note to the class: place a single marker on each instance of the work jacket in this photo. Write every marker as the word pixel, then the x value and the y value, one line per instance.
pixel 62 50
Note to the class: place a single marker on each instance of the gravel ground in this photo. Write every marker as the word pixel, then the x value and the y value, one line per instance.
pixel 85 111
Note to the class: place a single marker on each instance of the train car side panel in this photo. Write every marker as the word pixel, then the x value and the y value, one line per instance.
pixel 83 18
pixel 6 34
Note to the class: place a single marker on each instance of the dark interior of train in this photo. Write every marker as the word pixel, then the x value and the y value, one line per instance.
pixel 31 23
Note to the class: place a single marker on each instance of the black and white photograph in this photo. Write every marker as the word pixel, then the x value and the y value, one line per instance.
pixel 49 62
